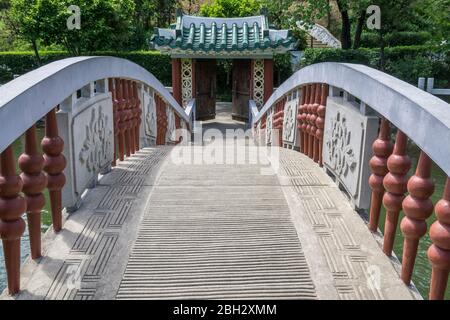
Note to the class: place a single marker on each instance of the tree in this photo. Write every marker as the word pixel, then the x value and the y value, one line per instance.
pixel 230 8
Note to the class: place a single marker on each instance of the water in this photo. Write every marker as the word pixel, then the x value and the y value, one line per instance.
pixel 422 270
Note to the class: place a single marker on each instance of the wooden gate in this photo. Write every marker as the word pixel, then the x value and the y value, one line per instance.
pixel 241 89
pixel 205 75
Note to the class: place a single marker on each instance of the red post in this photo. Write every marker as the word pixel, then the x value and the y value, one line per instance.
pixel 34 182
pixel 176 81
pixel 418 207
pixel 268 79
pixel 439 252
pixel 314 108
pixel 122 118
pixel 12 226
pixel 382 149
pixel 130 121
pixel 305 120
pixel 320 122
pixel 300 119
pixel 395 183
pixel 309 121
pixel 54 165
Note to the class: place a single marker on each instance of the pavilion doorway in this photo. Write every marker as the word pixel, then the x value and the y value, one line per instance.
pixel 205 74
pixel 241 88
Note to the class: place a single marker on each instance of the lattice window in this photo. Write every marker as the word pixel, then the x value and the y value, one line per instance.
pixel 258 82
pixel 186 81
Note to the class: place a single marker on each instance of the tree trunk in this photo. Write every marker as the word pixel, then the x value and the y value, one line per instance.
pixel 359 29
pixel 346 26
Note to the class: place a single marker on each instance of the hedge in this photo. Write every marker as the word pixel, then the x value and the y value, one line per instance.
pixel 18 63
pixel 372 40
pixel 406 63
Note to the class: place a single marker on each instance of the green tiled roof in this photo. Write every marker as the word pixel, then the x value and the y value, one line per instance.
pixel 222 35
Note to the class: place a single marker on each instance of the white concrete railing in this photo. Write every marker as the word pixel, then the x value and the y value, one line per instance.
pixel 31 96
pixel 341 116
pixel 96 109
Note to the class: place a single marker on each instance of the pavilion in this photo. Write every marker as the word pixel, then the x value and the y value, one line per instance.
pixel 195 43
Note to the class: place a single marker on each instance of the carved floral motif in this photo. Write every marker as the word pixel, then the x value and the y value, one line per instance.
pixel 150 118
pixel 289 121
pixel 97 144
pixel 341 154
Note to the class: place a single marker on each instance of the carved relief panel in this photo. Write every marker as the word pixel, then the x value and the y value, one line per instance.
pixel 269 126
pixel 171 126
pixel 347 147
pixel 290 121
pixel 149 117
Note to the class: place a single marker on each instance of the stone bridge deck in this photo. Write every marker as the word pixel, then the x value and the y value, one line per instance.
pixel 154 229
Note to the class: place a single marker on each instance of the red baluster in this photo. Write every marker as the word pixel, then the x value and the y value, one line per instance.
pixel 382 149
pixel 320 122
pixel 314 108
pixel 300 119
pixel 113 90
pixel 395 183
pixel 138 116
pixel 309 120
pixel 133 120
pixel 439 252
pixel 418 207
pixel 305 120
pixel 34 182
pixel 54 165
pixel 122 118
pixel 12 226
pixel 128 119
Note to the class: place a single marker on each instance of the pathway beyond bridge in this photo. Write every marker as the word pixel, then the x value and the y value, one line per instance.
pixel 157 229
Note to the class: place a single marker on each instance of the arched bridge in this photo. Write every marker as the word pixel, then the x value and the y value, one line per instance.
pixel 148 203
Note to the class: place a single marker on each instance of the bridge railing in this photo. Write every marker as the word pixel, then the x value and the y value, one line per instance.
pixel 344 118
pixel 97 110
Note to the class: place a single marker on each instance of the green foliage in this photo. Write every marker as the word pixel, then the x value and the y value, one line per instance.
pixel 18 63
pixel 230 8
pixel 406 63
pixel 395 39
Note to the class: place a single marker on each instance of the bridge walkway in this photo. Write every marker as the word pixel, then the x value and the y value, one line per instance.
pixel 157 229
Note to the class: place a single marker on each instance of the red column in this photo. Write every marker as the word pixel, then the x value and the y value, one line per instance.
pixel 439 252
pixel 121 118
pixel 320 122
pixel 395 184
pixel 268 79
pixel 12 226
pixel 382 149
pixel 34 182
pixel 313 118
pixel 418 207
pixel 312 94
pixel 305 120
pixel 54 165
pixel 176 81
pixel 127 117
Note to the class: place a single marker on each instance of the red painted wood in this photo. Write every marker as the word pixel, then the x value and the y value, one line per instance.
pixel 313 118
pixel 268 79
pixel 34 182
pixel 320 122
pixel 418 207
pixel 439 252
pixel 54 165
pixel 176 80
pixel 130 120
pixel 395 183
pixel 305 120
pixel 138 116
pixel 312 94
pixel 12 226
pixel 122 117
pixel 382 149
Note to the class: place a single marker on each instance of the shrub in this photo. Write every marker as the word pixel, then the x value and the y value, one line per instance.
pixel 372 40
